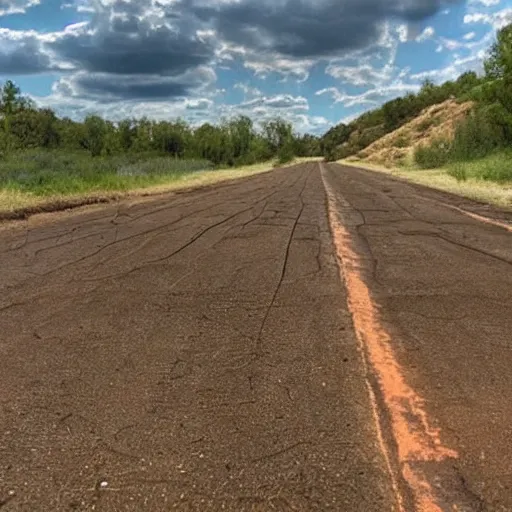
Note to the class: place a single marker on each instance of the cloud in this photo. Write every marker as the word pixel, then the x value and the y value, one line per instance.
pixel 194 110
pixel 128 50
pixel 248 90
pixel 371 97
pixel 374 66
pixel 280 101
pixel 486 3
pixel 126 38
pixel 308 28
pixel 103 87
pixel 427 33
pixel 497 20
pixel 21 52
pixel 16 6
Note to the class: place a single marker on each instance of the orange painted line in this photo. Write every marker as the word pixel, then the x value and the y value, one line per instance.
pixel 416 440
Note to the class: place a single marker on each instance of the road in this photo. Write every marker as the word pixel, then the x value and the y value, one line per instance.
pixel 314 338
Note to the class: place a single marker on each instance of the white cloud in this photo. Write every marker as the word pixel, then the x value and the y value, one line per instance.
pixel 486 3
pixel 16 6
pixel 403 33
pixel 427 33
pixel 497 20
pixel 372 97
pixel 248 90
pixel 453 70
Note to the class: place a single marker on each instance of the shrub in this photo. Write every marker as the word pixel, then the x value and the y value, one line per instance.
pixel 497 167
pixel 434 155
pixel 401 142
pixel 425 125
pixel 479 134
pixel 285 154
pixel 459 172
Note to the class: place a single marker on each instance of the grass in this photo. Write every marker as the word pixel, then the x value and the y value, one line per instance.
pixel 496 168
pixel 45 173
pixel 39 180
pixel 488 179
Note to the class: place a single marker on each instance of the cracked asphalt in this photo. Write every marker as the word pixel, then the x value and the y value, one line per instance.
pixel 195 351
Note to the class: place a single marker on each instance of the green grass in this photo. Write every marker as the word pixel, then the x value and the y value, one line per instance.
pixel 45 173
pixel 496 168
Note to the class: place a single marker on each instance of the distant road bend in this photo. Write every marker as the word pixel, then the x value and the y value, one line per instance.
pixel 313 338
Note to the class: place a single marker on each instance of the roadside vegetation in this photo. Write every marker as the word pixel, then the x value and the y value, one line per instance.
pixel 44 156
pixel 460 130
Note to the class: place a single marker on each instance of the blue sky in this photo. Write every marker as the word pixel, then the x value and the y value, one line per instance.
pixel 313 62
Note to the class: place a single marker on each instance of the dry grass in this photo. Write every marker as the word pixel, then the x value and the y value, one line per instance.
pixel 435 122
pixel 17 204
pixel 485 191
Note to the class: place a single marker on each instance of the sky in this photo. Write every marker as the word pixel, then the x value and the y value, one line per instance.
pixel 315 63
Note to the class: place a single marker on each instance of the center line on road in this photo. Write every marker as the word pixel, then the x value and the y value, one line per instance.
pixel 417 442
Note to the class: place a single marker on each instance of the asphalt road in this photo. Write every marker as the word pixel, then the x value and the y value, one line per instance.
pixel 220 349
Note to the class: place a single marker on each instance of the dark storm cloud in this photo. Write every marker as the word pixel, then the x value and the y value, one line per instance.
pixel 308 28
pixel 125 39
pixel 23 57
pixel 107 87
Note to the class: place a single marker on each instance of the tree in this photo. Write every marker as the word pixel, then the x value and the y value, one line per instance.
pixel 499 62
pixel 95 132
pixel 126 132
pixel 34 128
pixel 241 133
pixel 8 105
pixel 278 133
pixel 143 135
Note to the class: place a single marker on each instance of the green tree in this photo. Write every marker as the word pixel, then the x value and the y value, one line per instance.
pixel 499 62
pixel 126 132
pixel 241 133
pixel 34 128
pixel 278 133
pixel 9 103
pixel 95 133
pixel 143 135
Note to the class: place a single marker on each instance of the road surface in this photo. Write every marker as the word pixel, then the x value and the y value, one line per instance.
pixel 314 338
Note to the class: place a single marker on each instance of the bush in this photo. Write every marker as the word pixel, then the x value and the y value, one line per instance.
pixel 497 168
pixel 459 172
pixel 425 125
pixel 401 142
pixel 285 154
pixel 479 134
pixel 434 155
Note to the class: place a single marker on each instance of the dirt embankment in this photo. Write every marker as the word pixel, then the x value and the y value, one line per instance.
pixel 435 122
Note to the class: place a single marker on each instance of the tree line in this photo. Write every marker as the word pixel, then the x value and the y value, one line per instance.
pixel 233 142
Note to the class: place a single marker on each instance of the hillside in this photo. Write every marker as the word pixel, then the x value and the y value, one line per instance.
pixel 433 123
